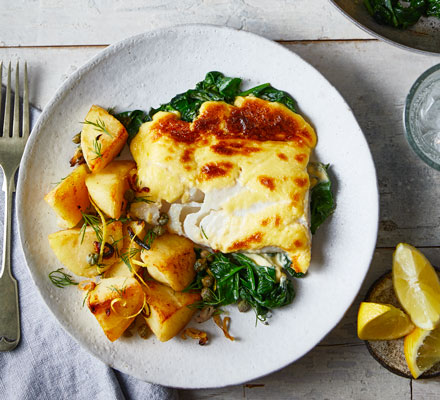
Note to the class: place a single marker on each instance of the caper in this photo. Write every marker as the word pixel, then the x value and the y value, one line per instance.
pixel 159 230
pixel 200 265
pixel 206 294
pixel 207 281
pixel 243 306
pixel 129 195
pixel 205 253
pixel 77 138
pixel 92 258
pixel 163 219
pixel 143 331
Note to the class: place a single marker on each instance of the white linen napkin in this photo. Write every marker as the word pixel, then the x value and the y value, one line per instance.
pixel 48 363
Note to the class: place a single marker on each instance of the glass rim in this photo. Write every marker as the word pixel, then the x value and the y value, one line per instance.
pixel 409 101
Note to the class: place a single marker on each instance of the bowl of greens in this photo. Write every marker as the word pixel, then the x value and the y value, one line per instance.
pixel 414 24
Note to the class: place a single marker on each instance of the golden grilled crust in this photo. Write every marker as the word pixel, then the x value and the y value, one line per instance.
pixel 259 147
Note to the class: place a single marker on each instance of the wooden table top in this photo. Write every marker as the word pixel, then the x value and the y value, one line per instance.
pixel 57 37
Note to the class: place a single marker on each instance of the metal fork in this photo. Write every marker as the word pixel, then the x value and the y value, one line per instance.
pixel 11 150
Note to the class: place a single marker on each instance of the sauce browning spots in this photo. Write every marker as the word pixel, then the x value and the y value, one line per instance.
pixel 243 244
pixel 265 222
pixel 301 182
pixel 277 220
pixel 296 197
pixel 255 120
pixel 300 157
pixel 282 156
pixel 267 181
pixel 186 156
pixel 294 265
pixel 215 170
pixel 231 148
pixel 298 243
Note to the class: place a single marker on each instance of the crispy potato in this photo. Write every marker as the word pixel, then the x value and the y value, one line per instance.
pixel 129 250
pixel 102 138
pixel 73 254
pixel 169 311
pixel 70 197
pixel 171 261
pixel 115 320
pixel 107 187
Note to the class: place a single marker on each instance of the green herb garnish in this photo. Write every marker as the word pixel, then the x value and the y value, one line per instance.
pixel 120 292
pixel 97 148
pixel 128 255
pixel 142 199
pixel 61 279
pixel 203 232
pixel 99 125
pixel 95 222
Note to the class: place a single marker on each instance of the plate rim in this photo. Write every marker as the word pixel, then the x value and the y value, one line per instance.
pixel 63 90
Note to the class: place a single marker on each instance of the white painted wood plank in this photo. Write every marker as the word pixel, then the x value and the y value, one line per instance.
pixel 426 389
pixel 338 372
pixel 48 67
pixel 375 89
pixel 56 22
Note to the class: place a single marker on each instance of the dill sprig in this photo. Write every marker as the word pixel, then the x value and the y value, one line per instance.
pixel 60 279
pixel 128 255
pixel 95 222
pixel 120 292
pixel 57 183
pixel 97 148
pixel 142 199
pixel 86 297
pixel 203 232
pixel 149 237
pixel 99 125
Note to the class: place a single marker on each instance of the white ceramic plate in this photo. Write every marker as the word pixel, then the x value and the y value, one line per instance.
pixel 150 69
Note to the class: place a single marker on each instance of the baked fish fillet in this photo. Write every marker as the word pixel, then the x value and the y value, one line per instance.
pixel 236 178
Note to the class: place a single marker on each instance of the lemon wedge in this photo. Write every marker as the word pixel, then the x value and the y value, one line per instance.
pixel 382 322
pixel 417 286
pixel 422 350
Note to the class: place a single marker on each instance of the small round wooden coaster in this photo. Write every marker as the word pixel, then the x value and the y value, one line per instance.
pixel 389 353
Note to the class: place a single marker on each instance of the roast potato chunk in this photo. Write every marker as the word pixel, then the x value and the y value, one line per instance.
pixel 107 187
pixel 72 249
pixel 130 251
pixel 102 138
pixel 115 320
pixel 168 310
pixel 171 261
pixel 70 197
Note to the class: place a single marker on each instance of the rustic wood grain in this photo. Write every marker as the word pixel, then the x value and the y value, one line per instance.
pixel 374 78
pixel 48 22
pixel 327 372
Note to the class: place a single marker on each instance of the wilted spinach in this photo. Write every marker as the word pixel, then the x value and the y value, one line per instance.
pixel 402 14
pixel 237 277
pixel 132 120
pixel 322 203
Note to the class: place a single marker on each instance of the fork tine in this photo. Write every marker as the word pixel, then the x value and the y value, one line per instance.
pixel 25 132
pixel 16 121
pixel 7 115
